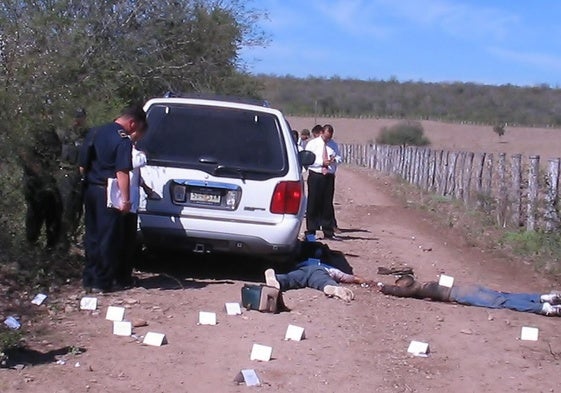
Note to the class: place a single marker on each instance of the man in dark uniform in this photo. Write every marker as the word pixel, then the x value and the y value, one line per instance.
pixel 44 205
pixel 107 154
pixel 69 178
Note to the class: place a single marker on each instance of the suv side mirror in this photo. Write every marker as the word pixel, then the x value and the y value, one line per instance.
pixel 306 158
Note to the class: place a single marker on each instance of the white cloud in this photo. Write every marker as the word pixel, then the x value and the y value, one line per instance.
pixel 354 17
pixel 465 20
pixel 540 60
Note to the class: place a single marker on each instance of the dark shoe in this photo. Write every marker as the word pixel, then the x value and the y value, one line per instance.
pixel 100 291
pixel 128 283
pixel 333 237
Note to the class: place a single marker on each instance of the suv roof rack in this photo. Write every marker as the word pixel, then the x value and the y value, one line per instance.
pixel 217 97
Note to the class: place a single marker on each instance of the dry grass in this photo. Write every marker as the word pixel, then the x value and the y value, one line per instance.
pixel 545 142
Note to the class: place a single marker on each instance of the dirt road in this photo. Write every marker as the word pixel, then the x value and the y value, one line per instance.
pixel 356 347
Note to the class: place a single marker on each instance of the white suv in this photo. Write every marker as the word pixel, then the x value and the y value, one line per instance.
pixel 229 174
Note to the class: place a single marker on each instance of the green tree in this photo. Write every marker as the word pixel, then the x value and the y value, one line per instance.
pixel 56 52
pixel 405 133
pixel 499 129
pixel 56 55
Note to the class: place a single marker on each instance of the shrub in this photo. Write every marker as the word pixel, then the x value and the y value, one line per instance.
pixel 499 129
pixel 405 133
pixel 543 248
pixel 9 339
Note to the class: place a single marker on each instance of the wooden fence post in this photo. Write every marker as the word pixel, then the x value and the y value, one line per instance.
pixel 533 175
pixel 551 214
pixel 516 192
pixel 371 156
pixel 502 195
pixel 392 160
pixel 406 162
pixel 487 180
pixel 363 156
pixel 442 172
pixel 410 163
pixel 385 153
pixel 388 157
pixel 418 166
pixel 422 166
pixel 382 161
pixel 467 177
pixel 450 177
pixel 459 176
pixel 411 169
pixel 479 167
pixel 425 182
pixel 431 184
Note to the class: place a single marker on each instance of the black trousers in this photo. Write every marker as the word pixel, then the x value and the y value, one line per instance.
pixel 103 240
pixel 129 250
pixel 44 206
pixel 319 211
pixel 70 187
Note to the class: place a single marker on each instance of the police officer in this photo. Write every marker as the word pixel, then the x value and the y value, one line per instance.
pixel 41 193
pixel 107 154
pixel 69 179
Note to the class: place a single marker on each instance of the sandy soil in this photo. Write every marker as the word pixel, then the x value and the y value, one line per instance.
pixel 355 347
pixel 545 142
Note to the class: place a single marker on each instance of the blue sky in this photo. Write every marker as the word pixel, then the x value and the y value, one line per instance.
pixel 492 42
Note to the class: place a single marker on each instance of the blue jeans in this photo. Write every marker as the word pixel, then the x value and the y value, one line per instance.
pixel 312 276
pixel 476 295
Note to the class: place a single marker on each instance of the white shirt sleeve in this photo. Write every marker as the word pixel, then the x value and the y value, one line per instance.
pixel 138 158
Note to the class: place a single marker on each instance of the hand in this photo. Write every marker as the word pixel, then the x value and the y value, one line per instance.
pixel 152 195
pixel 125 206
pixel 368 284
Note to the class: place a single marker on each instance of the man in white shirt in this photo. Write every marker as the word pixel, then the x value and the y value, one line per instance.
pixel 321 184
pixel 333 145
pixel 129 250
pixel 304 138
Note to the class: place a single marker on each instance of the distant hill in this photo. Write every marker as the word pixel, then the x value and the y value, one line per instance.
pixel 538 106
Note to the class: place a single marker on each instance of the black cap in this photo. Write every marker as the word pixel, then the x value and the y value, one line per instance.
pixel 80 113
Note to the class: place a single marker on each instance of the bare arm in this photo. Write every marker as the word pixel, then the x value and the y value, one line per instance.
pixel 346 278
pixel 123 180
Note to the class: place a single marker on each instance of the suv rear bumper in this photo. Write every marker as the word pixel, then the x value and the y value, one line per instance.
pixel 246 239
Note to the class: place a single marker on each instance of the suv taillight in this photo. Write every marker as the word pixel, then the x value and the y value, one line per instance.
pixel 287 197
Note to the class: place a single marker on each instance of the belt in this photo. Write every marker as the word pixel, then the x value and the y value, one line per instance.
pixel 322 174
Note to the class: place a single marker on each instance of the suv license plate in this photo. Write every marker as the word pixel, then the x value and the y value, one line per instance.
pixel 212 199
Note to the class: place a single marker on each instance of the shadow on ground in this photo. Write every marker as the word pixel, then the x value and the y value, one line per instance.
pixel 30 357
pixel 181 269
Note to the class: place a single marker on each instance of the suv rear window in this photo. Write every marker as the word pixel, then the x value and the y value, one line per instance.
pixel 203 137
